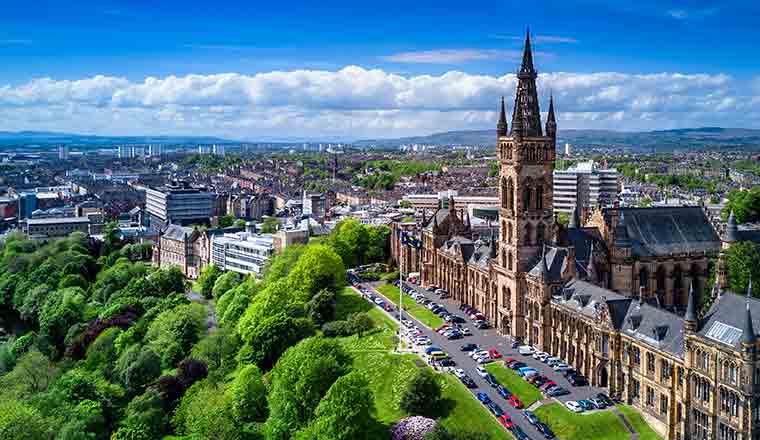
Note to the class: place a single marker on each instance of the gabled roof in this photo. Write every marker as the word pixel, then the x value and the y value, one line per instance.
pixel 177 232
pixel 556 259
pixel 481 253
pixel 724 321
pixel 664 230
pixel 655 327
pixel 586 298
pixel 465 245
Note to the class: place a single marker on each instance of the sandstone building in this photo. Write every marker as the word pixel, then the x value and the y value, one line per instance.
pixel 617 293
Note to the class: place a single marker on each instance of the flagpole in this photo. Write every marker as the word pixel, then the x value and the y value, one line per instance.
pixel 400 280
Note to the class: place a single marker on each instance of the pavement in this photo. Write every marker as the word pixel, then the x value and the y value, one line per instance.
pixel 486 339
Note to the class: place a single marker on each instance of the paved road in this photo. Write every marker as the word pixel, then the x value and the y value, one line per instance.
pixel 211 321
pixel 486 339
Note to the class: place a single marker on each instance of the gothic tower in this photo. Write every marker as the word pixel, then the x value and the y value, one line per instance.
pixel 526 162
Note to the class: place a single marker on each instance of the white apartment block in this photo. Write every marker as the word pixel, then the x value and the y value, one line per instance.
pixel 585 185
pixel 242 252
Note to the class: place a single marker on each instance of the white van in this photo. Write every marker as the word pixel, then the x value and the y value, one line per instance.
pixel 526 350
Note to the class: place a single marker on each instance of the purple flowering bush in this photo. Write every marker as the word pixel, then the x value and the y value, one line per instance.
pixel 412 428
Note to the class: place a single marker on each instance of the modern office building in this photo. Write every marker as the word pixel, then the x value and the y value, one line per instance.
pixel 241 252
pixel 155 150
pixel 27 204
pixel 585 185
pixel 63 152
pixel 179 204
pixel 218 149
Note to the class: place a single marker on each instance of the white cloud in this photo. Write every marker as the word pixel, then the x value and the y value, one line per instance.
pixel 357 102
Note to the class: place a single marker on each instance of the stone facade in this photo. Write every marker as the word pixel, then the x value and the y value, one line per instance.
pixel 615 295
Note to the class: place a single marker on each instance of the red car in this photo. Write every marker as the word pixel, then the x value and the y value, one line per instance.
pixel 515 402
pixel 506 421
pixel 494 353
pixel 551 383
pixel 507 361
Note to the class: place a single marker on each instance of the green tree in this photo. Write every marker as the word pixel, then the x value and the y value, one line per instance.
pixel 321 308
pixel 207 278
pixel 137 368
pixel 101 354
pixel 345 413
pixel 745 204
pixel 60 311
pixel 422 396
pixel 563 218
pixel 239 223
pixel 32 374
pixel 270 225
pixel 144 419
pixel 301 378
pixel 269 338
pixel 205 412
pixel 218 350
pixel 248 395
pixel 111 239
pixel 743 261
pixel 319 267
pixel 224 283
pixel 226 221
pixel 174 332
pixel 19 421
pixel 358 323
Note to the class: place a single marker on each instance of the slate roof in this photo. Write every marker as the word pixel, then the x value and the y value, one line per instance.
pixel 664 230
pixel 556 259
pixel 655 327
pixel 748 234
pixel 481 253
pixel 439 215
pixel 581 239
pixel 729 310
pixel 466 245
pixel 177 232
pixel 584 297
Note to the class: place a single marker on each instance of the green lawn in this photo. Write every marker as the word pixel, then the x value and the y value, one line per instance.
pixel 389 374
pixel 420 312
pixel 638 423
pixel 602 425
pixel 507 377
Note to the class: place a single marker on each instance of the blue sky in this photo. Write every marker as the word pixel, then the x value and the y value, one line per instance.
pixel 111 47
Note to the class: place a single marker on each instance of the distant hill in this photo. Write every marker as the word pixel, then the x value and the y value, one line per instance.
pixel 43 138
pixel 664 140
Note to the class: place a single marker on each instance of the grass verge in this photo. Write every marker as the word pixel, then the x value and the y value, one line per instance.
pixel 601 425
pixel 389 374
pixel 638 423
pixel 420 312
pixel 525 391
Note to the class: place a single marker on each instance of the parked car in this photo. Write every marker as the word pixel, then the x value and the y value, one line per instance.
pixel 478 353
pixel 506 421
pixel 526 350
pixel 432 348
pixel 544 429
pixel 515 402
pixel 599 403
pixel 572 406
pixel 481 371
pixel 547 385
pixel 530 417
pixel 469 347
pixel 454 335
pixel 484 360
pixel 503 392
pixel 448 362
pixel 570 372
pixel 519 433
pixel 586 404
pixel 516 365
pixel 538 354
pixel 515 344
pixel 605 398
pixel 495 409
pixel 491 380
pixel 483 397
pixel 557 391
pixel 466 331
pixel 560 367
pixel 468 382
pixel 578 381
pixel 494 353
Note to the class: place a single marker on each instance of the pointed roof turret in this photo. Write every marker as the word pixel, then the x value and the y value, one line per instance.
pixel 590 268
pixel 691 306
pixel 551 121
pixel 526 116
pixel 501 126
pixel 544 267
pixel 732 229
pixel 748 332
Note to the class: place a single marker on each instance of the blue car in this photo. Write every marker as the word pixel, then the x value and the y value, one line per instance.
pixel 491 380
pixel 484 399
pixel 503 392
pixel 432 348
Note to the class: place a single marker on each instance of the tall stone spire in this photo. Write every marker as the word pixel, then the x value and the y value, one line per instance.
pixel 501 126
pixel 732 229
pixel 551 121
pixel 690 318
pixel 590 267
pixel 748 332
pixel 526 118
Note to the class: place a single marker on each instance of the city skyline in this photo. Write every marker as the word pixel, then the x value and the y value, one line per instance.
pixel 348 72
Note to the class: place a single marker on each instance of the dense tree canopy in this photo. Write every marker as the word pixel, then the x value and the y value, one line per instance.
pixel 743 262
pixel 745 204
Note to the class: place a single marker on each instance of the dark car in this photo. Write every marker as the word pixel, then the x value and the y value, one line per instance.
pixel 530 417
pixel 578 381
pixel 557 391
pixel 544 429
pixel 604 398
pixel 458 319
pixel 515 344
pixel 468 382
pixel 569 373
pixel 468 347
pixel 447 362
pixel 491 380
pixel 503 392
pixel 519 433
pixel 483 397
pixel 482 325
pixel 517 365
pixel 495 409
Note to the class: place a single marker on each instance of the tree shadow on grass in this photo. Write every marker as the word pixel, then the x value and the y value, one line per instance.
pixel 445 406
pixel 348 303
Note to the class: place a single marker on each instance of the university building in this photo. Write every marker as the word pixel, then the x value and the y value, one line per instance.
pixel 617 293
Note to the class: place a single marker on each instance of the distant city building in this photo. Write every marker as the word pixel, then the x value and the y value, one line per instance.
pixel 435 201
pixel 155 150
pixel 315 205
pixel 204 149
pixel 241 252
pixel 63 152
pixel 138 151
pixel 585 185
pixel 218 149
pixel 180 204
pixel 55 227
pixel 27 203
pixel 126 152
pixel 567 150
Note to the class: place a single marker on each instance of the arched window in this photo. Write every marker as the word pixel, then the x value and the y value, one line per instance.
pixel 528 240
pixel 540 234
pixel 643 278
pixel 509 232
pixel 510 196
pixel 504 258
pixel 506 297
pixel 504 193
pixel 509 260
pixel 504 229
pixel 661 279
pixel 539 197
pixel 526 197
pixel 677 278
